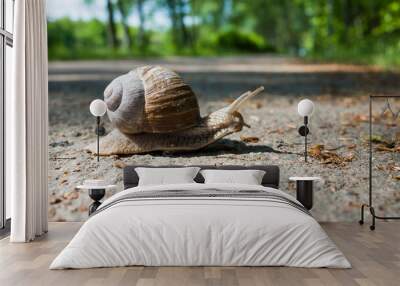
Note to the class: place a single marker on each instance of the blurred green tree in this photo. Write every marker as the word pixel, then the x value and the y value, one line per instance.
pixel 112 36
pixel 361 31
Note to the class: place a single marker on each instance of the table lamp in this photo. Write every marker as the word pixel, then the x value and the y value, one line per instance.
pixel 305 108
pixel 98 108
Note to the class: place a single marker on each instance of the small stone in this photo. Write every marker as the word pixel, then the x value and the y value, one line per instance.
pixel 52 212
pixel 119 164
pixel 54 200
pixel 73 195
pixel 65 143
pixel 67 203
pixel 249 139
pixel 83 208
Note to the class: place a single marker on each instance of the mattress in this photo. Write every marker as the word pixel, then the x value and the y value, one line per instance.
pixel 201 225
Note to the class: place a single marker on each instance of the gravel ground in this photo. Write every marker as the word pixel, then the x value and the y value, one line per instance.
pixel 339 123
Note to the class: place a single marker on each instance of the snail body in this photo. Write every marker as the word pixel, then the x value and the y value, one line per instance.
pixel 152 109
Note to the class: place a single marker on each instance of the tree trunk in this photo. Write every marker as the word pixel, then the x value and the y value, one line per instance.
pixel 219 14
pixel 185 37
pixel 141 36
pixel 113 41
pixel 194 29
pixel 124 22
pixel 174 21
pixel 330 17
pixel 348 13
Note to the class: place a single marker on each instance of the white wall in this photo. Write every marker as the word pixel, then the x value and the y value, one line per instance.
pixel 9 66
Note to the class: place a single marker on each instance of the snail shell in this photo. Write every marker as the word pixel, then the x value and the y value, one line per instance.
pixel 151 99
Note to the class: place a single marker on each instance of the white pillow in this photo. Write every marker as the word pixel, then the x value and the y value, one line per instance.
pixel 247 177
pixel 166 176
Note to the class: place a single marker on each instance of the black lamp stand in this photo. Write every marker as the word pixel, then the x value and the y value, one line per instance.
pixel 98 138
pixel 96 195
pixel 100 131
pixel 304 131
pixel 370 202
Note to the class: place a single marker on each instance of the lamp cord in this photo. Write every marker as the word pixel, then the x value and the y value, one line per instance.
pixel 98 138
pixel 305 137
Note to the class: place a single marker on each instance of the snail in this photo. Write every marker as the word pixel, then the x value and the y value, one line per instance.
pixel 152 109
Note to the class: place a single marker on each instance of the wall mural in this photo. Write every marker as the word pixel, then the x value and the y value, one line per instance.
pixel 335 53
pixel 338 129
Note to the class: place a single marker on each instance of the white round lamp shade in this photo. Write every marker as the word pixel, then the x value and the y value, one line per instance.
pixel 98 107
pixel 305 107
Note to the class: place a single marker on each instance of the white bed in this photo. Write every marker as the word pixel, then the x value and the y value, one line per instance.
pixel 202 231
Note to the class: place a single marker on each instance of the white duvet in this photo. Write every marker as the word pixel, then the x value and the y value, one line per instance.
pixel 200 231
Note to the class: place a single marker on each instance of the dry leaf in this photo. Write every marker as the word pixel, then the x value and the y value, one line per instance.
pixel 316 150
pixel 389 167
pixel 380 167
pixel 360 118
pixel 386 148
pixel 352 204
pixel 329 157
pixel 352 146
pixel 249 139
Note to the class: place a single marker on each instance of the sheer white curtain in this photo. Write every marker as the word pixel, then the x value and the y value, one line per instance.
pixel 27 123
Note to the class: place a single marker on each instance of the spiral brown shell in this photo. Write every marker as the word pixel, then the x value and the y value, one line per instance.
pixel 151 99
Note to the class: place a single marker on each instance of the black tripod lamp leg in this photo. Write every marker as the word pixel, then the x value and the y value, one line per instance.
pixel 372 210
pixel 361 221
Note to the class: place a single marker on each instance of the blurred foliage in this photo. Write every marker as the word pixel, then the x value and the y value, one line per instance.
pixel 359 31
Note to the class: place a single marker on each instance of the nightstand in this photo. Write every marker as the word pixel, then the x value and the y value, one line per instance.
pixel 304 190
pixel 96 193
